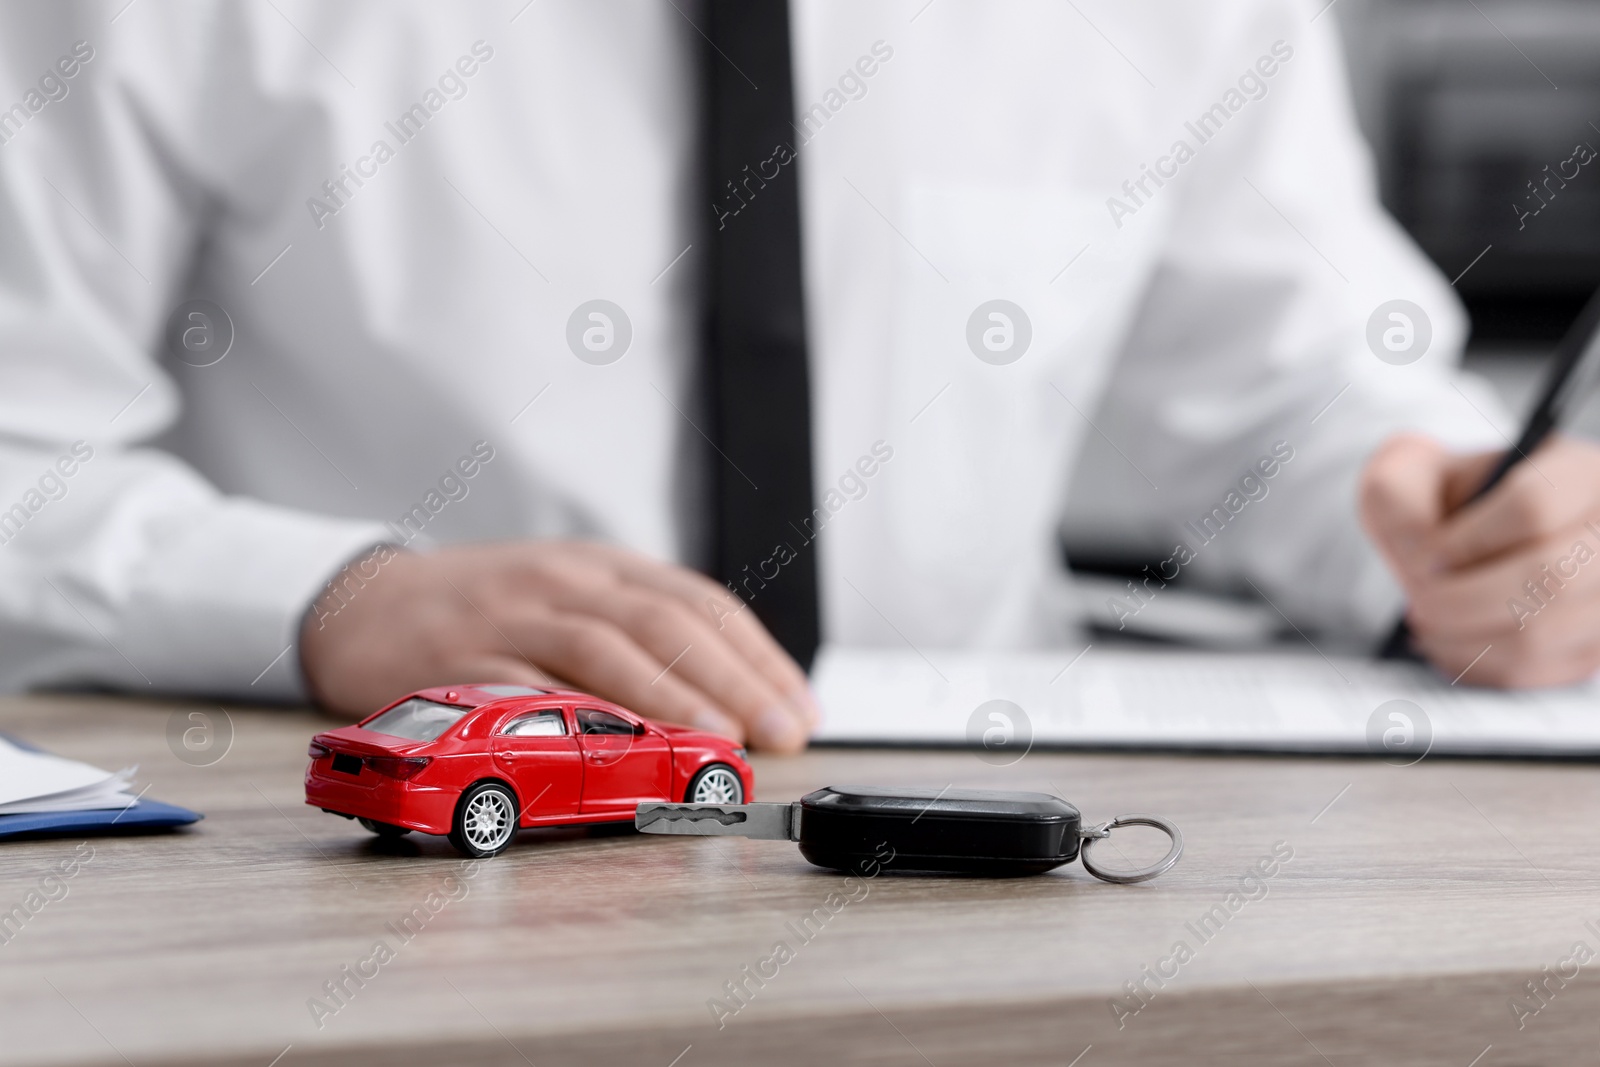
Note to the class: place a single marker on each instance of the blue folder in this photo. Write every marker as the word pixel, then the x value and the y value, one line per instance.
pixel 145 815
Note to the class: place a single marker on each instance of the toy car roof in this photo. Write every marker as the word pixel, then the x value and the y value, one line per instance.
pixel 472 696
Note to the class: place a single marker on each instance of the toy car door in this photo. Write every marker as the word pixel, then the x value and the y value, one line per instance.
pixel 538 753
pixel 624 763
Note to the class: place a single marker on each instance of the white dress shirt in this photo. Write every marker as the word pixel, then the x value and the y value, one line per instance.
pixel 400 206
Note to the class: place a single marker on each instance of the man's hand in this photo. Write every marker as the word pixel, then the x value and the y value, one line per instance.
pixel 658 639
pixel 1508 585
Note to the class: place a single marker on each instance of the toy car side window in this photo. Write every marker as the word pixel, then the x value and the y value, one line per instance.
pixel 539 724
pixel 591 721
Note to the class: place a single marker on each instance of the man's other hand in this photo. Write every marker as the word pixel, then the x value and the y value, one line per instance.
pixel 1508 585
pixel 656 638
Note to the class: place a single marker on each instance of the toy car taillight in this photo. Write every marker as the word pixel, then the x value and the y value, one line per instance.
pixel 318 750
pixel 401 767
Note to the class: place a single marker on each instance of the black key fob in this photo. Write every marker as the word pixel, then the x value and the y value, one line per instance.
pixel 952 831
pixel 866 829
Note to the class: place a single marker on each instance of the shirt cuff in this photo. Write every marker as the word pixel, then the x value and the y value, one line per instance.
pixel 218 609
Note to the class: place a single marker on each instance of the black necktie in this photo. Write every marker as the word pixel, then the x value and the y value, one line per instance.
pixel 756 340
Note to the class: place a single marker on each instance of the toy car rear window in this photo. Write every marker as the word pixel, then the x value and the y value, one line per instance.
pixel 417 719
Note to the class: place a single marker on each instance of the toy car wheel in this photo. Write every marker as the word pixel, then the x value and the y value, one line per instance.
pixel 384 829
pixel 717 783
pixel 486 820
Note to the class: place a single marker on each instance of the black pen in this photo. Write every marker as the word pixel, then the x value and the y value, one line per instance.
pixel 1577 349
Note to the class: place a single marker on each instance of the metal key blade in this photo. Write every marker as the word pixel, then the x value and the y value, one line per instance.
pixel 771 822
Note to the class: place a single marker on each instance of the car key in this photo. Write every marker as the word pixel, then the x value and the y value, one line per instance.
pixel 953 831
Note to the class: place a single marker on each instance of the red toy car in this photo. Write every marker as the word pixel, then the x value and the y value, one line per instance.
pixel 477 762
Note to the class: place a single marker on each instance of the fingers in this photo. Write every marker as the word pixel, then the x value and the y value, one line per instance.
pixel 732 619
pixel 598 657
pixel 1555 488
pixel 502 669
pixel 1464 475
pixel 1507 590
pixel 1502 590
pixel 1403 501
pixel 690 649
pixel 739 624
pixel 1527 617
pixel 604 620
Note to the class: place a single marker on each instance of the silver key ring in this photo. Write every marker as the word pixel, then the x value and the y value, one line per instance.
pixel 1091 834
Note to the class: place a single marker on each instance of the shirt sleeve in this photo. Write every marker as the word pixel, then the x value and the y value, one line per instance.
pixel 1253 335
pixel 120 566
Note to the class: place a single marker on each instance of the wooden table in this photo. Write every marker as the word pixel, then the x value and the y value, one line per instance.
pixel 1418 903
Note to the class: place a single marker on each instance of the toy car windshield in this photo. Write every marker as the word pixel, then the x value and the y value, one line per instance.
pixel 417 719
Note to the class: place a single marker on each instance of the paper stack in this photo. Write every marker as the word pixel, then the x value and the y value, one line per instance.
pixel 36 782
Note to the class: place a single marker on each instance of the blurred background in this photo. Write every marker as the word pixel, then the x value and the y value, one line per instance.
pixel 1465 104
pixel 1465 101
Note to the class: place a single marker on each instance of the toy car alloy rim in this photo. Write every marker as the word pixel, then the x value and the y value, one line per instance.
pixel 489 821
pixel 717 786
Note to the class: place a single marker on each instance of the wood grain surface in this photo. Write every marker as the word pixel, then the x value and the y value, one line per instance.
pixel 1418 904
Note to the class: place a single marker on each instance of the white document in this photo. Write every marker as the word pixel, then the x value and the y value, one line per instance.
pixel 1138 698
pixel 33 782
